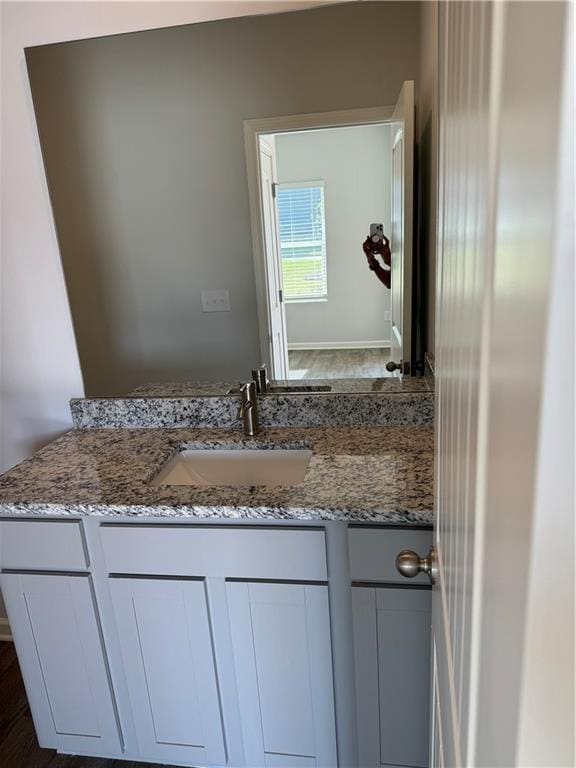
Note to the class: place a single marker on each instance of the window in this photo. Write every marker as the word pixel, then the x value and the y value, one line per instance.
pixel 301 219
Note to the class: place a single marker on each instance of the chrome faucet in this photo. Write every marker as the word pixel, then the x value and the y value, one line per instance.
pixel 249 409
pixel 260 378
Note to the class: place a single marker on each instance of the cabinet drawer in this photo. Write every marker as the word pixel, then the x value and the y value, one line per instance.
pixel 373 553
pixel 51 545
pixel 175 550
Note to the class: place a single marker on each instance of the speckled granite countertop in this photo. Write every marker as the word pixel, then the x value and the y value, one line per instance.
pixel 387 385
pixel 359 474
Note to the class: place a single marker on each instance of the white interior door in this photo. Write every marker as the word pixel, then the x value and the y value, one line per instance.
pixel 502 680
pixel 277 319
pixel 402 195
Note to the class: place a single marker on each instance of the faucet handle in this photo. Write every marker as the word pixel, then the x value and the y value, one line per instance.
pixel 260 376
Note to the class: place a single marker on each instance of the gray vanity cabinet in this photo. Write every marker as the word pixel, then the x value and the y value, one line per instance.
pixel 55 627
pixel 392 663
pixel 283 660
pixel 168 657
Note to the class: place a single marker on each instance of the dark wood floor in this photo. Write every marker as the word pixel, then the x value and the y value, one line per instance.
pixel 18 745
pixel 338 363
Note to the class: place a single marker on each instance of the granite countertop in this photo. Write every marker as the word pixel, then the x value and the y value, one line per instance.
pixel 358 474
pixel 386 385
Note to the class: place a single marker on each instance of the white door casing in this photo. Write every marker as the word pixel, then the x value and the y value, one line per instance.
pixel 278 351
pixel 500 165
pixel 397 246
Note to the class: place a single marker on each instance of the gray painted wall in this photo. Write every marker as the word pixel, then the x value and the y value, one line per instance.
pixel 354 163
pixel 143 146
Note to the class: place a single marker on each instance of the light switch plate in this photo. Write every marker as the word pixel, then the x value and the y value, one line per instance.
pixel 215 301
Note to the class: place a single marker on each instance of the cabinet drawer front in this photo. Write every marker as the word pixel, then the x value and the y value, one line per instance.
pixel 174 550
pixel 373 553
pixel 51 545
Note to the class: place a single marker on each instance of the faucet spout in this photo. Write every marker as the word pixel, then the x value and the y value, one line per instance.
pixel 249 409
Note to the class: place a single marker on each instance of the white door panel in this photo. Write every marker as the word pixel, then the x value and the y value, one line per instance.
pixel 401 239
pixel 278 342
pixel 498 210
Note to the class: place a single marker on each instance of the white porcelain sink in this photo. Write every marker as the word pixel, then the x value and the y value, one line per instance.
pixel 237 466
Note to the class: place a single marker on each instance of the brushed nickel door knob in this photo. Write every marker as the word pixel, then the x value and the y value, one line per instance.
pixel 410 564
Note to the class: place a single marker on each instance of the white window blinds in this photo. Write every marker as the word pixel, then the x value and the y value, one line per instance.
pixel 302 226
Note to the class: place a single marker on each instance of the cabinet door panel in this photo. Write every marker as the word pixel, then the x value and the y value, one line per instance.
pixel 281 638
pixel 366 669
pixel 169 661
pixel 53 618
pixel 392 660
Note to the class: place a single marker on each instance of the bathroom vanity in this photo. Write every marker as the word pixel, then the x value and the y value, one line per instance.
pixel 176 592
pixel 236 626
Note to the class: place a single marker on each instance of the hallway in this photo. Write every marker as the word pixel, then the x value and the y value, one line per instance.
pixel 338 363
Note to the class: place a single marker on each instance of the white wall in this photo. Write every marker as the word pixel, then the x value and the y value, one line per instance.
pixel 143 143
pixel 39 368
pixel 354 163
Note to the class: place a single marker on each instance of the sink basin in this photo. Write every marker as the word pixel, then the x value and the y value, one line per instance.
pixel 235 466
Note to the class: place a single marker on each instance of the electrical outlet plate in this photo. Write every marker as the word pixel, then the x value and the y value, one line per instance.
pixel 215 301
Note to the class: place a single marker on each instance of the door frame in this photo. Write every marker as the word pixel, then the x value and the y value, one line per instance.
pixel 267 148
pixel 253 130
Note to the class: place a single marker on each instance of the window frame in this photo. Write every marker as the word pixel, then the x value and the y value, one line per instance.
pixel 305 184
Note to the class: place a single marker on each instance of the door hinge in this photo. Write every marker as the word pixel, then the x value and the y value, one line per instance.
pixel 281 295
pixel 274 185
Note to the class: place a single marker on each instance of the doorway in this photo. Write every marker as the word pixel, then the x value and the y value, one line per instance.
pixel 329 186
pixel 317 184
pixel 321 189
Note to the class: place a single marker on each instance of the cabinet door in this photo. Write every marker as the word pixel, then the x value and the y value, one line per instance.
pixel 53 620
pixel 168 657
pixel 392 661
pixel 283 659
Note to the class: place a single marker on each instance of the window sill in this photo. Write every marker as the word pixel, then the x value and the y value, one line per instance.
pixel 306 301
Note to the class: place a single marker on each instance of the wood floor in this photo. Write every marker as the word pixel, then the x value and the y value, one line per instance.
pixel 338 363
pixel 18 745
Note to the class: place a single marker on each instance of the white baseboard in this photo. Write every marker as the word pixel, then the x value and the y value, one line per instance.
pixel 378 344
pixel 5 633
